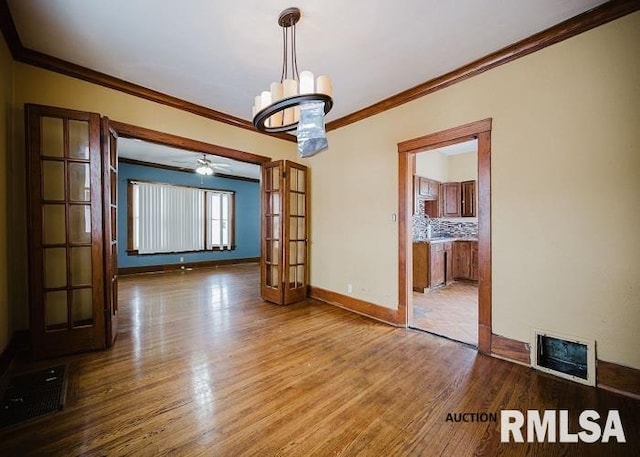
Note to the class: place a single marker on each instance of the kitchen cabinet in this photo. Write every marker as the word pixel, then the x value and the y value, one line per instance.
pixel 420 266
pixel 465 263
pixel 437 265
pixel 462 260
pixel 432 265
pixel 451 199
pixel 459 199
pixel 474 261
pixel 468 199
pixel 427 188
pixel 448 275
pixel 425 192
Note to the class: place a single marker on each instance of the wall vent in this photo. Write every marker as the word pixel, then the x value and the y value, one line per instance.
pixel 564 356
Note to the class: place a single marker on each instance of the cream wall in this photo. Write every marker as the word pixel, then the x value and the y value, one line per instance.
pixel 463 167
pixel 6 103
pixel 35 85
pixel 433 165
pixel 565 191
pixel 447 168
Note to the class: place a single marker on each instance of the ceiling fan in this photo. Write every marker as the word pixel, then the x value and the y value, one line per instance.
pixel 207 168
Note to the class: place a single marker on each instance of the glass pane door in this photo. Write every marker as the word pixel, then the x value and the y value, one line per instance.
pixel 296 233
pixel 284 232
pixel 65 231
pixel 271 265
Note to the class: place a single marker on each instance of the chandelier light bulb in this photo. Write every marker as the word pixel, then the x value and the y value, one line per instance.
pixel 306 82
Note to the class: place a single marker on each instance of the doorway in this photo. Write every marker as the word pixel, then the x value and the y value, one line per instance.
pixel 480 131
pixel 445 242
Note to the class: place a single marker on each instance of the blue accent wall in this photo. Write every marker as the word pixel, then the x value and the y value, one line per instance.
pixel 247 213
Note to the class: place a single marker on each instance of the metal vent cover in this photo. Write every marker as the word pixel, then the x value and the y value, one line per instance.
pixel 564 356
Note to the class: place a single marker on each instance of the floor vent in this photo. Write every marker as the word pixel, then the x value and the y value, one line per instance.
pixel 33 394
pixel 565 357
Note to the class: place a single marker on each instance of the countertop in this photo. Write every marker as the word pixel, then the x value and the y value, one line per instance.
pixel 445 239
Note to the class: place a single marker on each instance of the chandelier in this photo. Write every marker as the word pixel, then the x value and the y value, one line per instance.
pixel 277 110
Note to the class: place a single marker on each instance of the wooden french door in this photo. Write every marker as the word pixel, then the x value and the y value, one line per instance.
pixel 65 231
pixel 110 196
pixel 284 266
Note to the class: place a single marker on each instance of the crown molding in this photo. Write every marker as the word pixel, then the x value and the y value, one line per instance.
pixel 588 20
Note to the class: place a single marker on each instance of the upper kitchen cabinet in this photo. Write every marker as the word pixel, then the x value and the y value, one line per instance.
pixel 425 191
pixel 427 188
pixel 468 203
pixel 459 199
pixel 448 175
pixel 451 199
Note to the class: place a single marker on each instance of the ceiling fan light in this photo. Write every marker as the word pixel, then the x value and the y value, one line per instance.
pixel 204 170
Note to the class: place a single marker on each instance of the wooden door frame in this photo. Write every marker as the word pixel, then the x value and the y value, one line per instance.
pixel 480 130
pixel 125 130
pixel 109 138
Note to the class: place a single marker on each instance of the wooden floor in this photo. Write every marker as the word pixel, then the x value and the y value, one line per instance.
pixel 450 311
pixel 203 367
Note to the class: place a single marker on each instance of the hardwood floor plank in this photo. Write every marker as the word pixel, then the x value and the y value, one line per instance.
pixel 202 366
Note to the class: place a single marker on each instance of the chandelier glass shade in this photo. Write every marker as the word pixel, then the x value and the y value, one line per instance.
pixel 276 110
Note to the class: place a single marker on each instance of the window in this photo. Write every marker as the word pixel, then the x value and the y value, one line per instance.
pixel 219 220
pixel 169 218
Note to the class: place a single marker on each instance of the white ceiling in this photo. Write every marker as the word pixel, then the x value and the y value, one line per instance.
pixel 219 54
pixel 144 151
pixel 458 148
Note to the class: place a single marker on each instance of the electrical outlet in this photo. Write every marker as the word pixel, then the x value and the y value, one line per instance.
pixel 349 288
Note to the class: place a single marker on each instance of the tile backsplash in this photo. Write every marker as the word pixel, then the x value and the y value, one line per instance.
pixel 443 227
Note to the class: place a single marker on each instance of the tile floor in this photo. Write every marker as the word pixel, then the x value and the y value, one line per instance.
pixel 450 311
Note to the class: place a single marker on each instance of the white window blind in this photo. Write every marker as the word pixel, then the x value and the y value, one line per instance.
pixel 173 218
pixel 168 218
